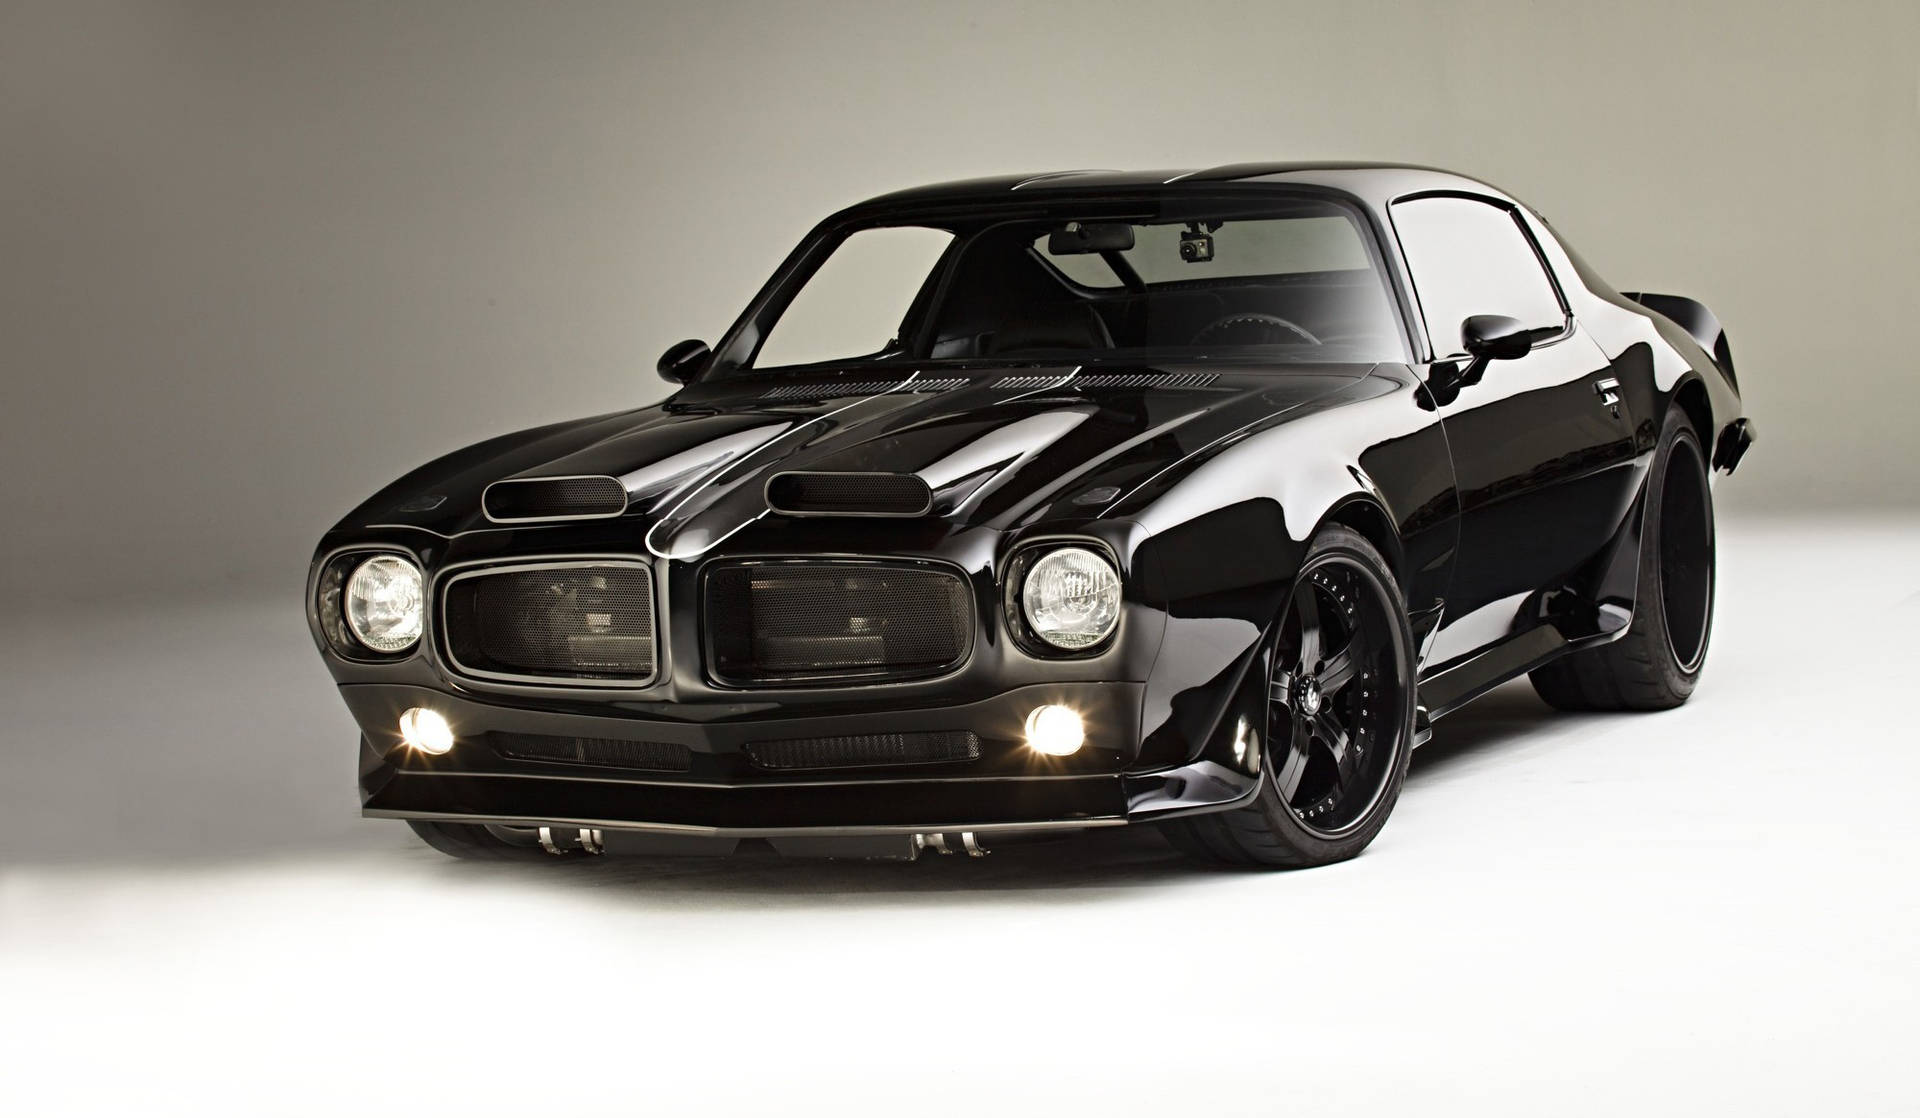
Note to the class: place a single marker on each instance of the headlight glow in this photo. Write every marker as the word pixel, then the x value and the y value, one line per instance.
pixel 1071 597
pixel 384 603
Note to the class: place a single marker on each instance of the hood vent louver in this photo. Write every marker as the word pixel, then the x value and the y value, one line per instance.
pixel 525 500
pixel 848 494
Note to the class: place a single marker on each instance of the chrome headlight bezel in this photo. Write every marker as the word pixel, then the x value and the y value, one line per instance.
pixel 1037 622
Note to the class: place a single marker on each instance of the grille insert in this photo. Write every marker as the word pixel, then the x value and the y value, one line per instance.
pixel 848 494
pixel 854 751
pixel 553 498
pixel 650 756
pixel 584 622
pixel 798 621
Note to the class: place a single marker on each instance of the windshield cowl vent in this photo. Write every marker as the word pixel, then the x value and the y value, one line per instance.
pixel 1109 380
pixel 833 390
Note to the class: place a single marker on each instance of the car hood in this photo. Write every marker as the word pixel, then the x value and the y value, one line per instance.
pixel 999 448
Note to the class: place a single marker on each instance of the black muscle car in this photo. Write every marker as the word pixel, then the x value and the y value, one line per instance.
pixel 1074 500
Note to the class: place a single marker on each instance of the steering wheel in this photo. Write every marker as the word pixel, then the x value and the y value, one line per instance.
pixel 1257 329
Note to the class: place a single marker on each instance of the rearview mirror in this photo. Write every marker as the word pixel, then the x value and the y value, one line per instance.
pixel 1078 238
pixel 683 360
pixel 1495 337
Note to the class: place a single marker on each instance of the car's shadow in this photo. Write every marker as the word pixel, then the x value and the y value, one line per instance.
pixel 1073 867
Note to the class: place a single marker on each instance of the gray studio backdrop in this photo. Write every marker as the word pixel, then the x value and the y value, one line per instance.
pixel 258 258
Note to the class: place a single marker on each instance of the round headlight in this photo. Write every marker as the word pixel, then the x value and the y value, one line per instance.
pixel 1072 598
pixel 384 603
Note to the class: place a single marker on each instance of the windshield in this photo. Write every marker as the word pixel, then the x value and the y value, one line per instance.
pixel 1290 281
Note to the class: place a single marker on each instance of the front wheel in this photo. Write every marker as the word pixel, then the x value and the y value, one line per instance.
pixel 481 843
pixel 1339 718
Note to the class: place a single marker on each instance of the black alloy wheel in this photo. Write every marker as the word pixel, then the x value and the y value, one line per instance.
pixel 1656 663
pixel 1330 732
pixel 1339 725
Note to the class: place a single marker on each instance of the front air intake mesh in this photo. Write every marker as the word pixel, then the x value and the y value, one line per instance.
pixel 519 500
pixel 791 622
pixel 581 622
pixel 648 756
pixel 854 494
pixel 859 751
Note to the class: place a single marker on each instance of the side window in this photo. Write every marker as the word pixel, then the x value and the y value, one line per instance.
pixel 853 303
pixel 1471 258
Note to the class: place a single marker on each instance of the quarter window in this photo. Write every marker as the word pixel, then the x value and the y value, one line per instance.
pixel 1469 257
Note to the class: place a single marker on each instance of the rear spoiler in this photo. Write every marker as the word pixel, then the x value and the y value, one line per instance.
pixel 1695 319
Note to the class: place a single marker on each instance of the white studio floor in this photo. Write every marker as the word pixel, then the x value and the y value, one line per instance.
pixel 1714 910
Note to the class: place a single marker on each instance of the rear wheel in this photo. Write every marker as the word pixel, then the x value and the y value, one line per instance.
pixel 1339 718
pixel 1657 663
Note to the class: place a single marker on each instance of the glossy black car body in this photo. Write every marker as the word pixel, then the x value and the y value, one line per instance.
pixel 1506 496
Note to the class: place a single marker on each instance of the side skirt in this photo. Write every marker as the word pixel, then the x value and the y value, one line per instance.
pixel 1448 691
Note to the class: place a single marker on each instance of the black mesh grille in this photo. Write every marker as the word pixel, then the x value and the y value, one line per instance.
pixel 590 622
pixel 850 494
pixel 866 750
pixel 653 756
pixel 768 622
pixel 554 498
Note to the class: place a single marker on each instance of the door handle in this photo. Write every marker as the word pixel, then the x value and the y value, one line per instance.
pixel 1609 390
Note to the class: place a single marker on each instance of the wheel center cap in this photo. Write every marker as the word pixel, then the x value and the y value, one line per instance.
pixel 1310 697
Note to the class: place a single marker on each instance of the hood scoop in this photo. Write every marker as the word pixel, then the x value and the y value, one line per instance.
pixel 830 390
pixel 848 494
pixel 524 500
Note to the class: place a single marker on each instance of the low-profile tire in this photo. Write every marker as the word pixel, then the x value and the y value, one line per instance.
pixel 1339 718
pixel 476 842
pixel 1656 665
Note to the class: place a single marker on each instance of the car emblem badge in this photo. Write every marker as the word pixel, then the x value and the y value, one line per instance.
pixel 1310 698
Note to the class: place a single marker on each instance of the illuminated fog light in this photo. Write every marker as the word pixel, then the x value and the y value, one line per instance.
pixel 1055 730
pixel 426 731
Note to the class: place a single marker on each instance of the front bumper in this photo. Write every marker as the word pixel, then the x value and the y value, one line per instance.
pixel 1008 788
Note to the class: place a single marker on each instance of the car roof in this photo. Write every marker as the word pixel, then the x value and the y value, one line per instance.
pixel 1377 183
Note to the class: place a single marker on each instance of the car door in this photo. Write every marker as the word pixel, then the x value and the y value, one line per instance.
pixel 1542 445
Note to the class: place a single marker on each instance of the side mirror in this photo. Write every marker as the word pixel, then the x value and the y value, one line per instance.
pixel 1488 338
pixel 683 360
pixel 1495 337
